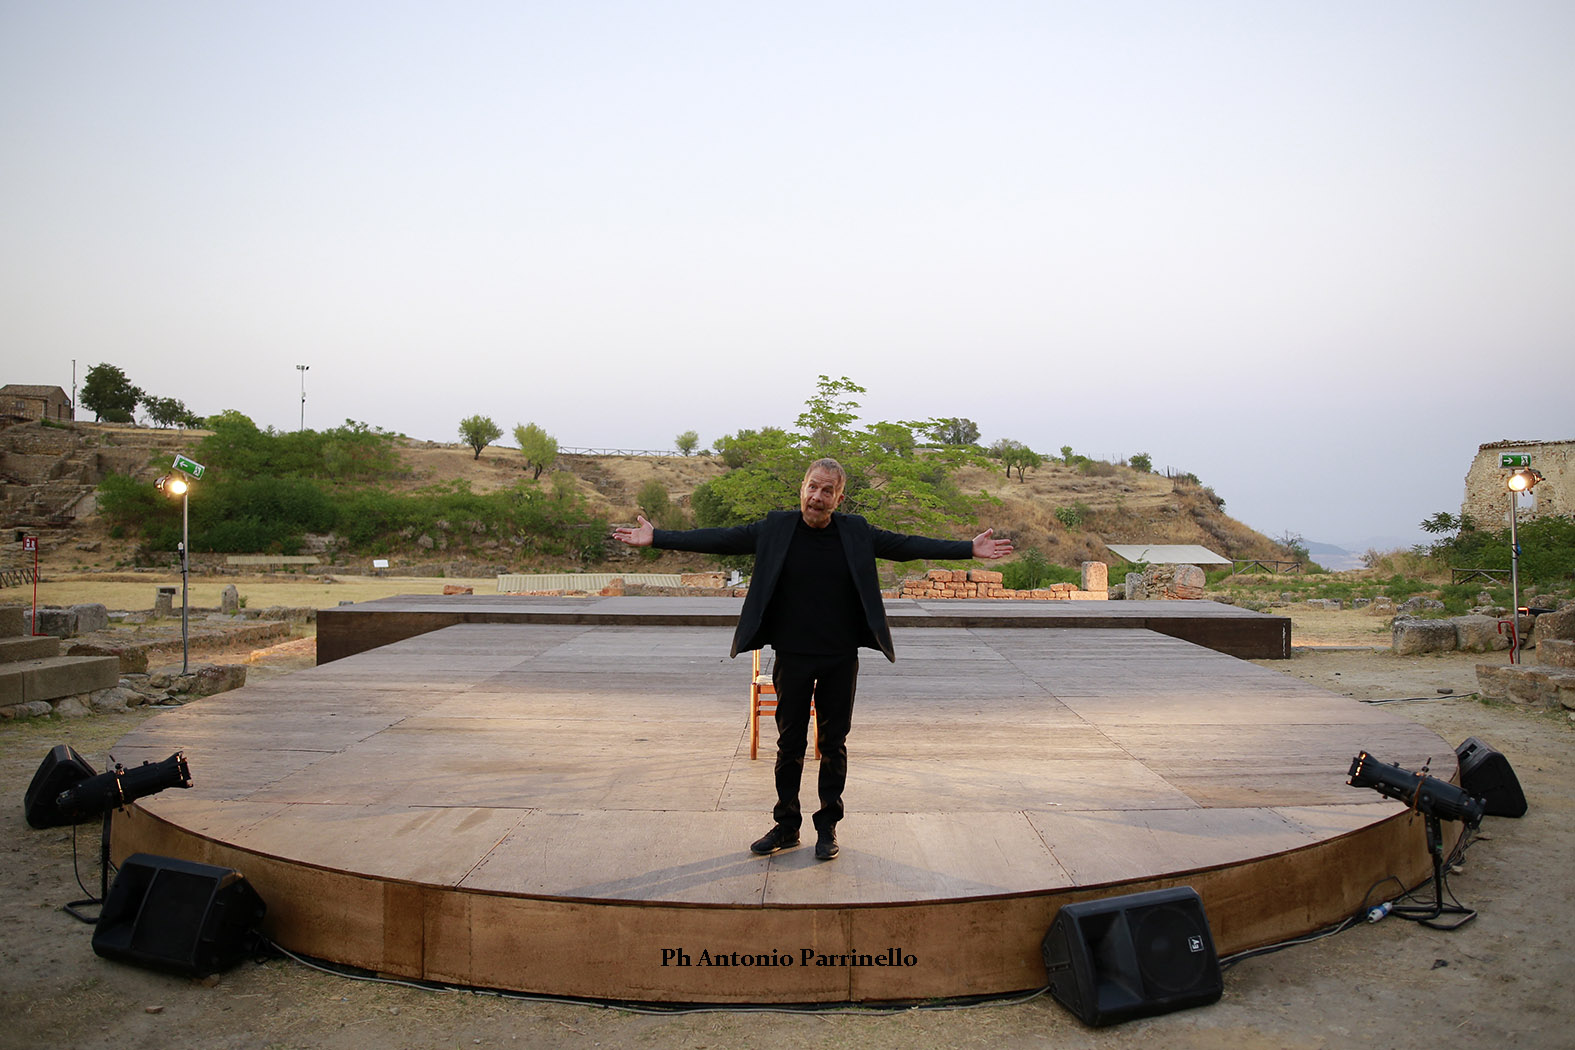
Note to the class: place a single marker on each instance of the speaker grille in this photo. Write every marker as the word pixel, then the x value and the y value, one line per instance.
pixel 169 924
pixel 1172 954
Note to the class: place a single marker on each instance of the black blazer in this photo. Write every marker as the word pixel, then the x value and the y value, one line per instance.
pixel 768 541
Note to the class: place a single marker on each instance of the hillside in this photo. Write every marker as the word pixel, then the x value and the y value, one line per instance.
pixel 49 473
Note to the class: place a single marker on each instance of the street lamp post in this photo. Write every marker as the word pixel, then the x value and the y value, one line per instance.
pixel 177 485
pixel 1522 480
pixel 303 369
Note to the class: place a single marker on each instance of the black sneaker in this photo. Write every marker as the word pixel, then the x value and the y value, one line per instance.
pixel 826 845
pixel 777 839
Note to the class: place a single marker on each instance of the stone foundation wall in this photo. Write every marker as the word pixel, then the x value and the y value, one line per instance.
pixel 939 584
pixel 1487 499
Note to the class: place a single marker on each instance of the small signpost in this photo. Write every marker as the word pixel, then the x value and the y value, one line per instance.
pixel 189 466
pixel 1512 460
pixel 30 543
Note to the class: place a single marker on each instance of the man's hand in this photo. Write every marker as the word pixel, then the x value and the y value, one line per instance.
pixel 987 548
pixel 645 532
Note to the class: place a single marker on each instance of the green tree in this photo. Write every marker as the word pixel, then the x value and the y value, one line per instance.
pixel 1024 459
pixel 652 499
pixel 751 446
pixel 953 430
pixel 108 394
pixel 1143 462
pixel 890 481
pixel 478 432
pixel 1016 454
pixel 168 412
pixel 687 442
pixel 539 448
pixel 1067 454
pixel 823 425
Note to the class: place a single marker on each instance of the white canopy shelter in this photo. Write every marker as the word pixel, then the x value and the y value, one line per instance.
pixel 1167 553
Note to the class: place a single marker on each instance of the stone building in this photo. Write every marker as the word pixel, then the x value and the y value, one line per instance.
pixel 20 401
pixel 1487 496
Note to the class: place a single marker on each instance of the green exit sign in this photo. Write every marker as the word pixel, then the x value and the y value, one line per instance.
pixel 194 468
pixel 1511 460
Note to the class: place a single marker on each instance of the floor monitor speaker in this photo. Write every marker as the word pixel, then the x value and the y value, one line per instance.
pixel 1115 959
pixel 178 915
pixel 1485 774
pixel 62 768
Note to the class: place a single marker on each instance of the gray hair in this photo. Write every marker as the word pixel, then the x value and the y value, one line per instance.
pixel 830 466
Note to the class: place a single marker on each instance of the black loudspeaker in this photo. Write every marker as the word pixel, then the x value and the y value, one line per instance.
pixel 180 916
pixel 1485 774
pixel 1119 958
pixel 62 768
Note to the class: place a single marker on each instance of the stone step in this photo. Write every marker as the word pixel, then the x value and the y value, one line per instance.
pixel 57 676
pixel 25 648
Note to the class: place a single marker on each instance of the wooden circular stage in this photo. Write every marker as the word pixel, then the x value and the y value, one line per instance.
pixel 567 808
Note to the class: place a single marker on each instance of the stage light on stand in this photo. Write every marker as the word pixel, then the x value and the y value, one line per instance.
pixel 1426 794
pixel 120 786
pixel 65 790
pixel 1437 800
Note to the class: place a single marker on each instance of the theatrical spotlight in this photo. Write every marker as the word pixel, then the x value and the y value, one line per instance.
pixel 1427 795
pixel 1437 801
pixel 65 789
pixel 1524 480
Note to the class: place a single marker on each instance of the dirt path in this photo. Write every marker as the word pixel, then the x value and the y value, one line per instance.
pixel 1501 981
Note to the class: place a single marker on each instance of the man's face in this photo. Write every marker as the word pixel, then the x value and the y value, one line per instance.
pixel 819 496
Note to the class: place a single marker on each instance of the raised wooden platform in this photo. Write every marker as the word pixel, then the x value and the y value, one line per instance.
pixel 566 808
pixel 351 629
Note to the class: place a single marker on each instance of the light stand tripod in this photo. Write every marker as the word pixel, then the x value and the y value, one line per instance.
pixel 1427 913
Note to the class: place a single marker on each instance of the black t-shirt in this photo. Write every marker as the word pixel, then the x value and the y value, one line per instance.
pixel 815 608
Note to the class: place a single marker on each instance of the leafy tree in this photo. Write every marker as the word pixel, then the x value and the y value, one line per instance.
pixel 889 481
pixel 824 423
pixel 687 442
pixel 169 412
pixel 1445 522
pixel 954 430
pixel 751 446
pixel 1067 454
pixel 539 448
pixel 478 432
pixel 1143 462
pixel 1024 459
pixel 1016 454
pixel 351 452
pixel 1295 543
pixel 109 394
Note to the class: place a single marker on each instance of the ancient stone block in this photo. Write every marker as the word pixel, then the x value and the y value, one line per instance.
pixel 91 616
pixel 1556 652
pixel 1530 685
pixel 1423 636
pixel 1096 576
pixel 1479 634
pixel 1555 625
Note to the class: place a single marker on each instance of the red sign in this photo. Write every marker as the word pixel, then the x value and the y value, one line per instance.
pixel 30 543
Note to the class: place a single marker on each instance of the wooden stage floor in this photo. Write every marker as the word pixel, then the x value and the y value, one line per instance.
pixel 566 808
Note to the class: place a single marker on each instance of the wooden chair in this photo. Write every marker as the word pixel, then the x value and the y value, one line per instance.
pixel 763 701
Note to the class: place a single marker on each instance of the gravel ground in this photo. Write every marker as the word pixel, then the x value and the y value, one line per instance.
pixel 1500 980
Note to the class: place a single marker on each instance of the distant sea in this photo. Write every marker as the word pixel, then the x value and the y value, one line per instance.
pixel 1335 557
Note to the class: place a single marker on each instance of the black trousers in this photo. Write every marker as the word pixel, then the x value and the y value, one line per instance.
pixel 830 682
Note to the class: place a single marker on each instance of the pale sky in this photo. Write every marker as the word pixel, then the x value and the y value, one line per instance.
pixel 1314 253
